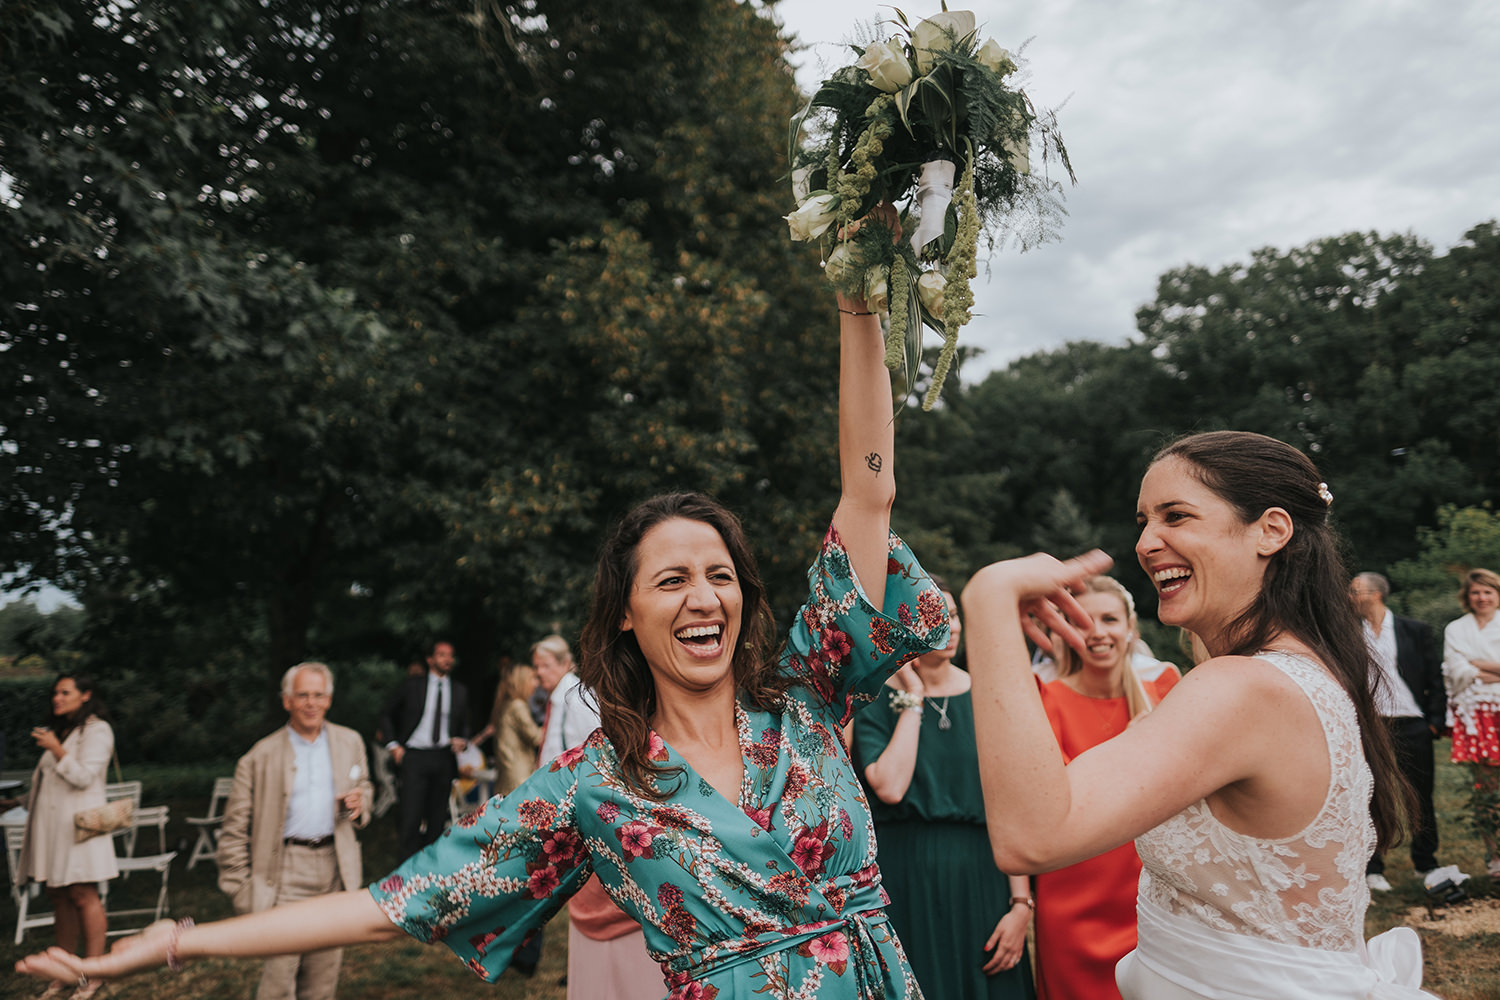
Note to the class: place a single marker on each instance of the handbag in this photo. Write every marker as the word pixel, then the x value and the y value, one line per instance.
pixel 112 816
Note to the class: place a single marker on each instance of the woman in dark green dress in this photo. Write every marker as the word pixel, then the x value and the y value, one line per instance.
pixel 962 920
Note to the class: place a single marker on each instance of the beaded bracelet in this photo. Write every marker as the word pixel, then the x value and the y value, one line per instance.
pixel 905 701
pixel 173 962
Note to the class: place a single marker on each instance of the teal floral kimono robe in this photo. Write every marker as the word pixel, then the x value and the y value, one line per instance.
pixel 776 895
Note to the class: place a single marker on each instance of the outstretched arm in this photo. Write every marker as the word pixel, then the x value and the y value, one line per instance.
pixel 867 438
pixel 343 918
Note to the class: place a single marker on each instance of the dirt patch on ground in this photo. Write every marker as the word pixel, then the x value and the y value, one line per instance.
pixel 1474 916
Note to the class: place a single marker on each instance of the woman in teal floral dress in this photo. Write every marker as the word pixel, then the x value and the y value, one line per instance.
pixel 716 802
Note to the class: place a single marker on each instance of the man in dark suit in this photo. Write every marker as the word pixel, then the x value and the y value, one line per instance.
pixel 427 724
pixel 1414 704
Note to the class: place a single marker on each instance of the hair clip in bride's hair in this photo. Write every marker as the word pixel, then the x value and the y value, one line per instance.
pixel 1326 494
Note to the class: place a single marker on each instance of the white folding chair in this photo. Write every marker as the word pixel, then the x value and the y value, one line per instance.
pixel 131 790
pixel 160 863
pixel 144 817
pixel 22 895
pixel 123 790
pixel 206 847
pixel 154 816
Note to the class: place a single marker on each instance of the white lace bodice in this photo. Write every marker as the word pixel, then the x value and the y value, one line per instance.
pixel 1307 889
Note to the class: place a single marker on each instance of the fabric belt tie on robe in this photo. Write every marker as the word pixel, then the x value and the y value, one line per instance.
pixel 864 911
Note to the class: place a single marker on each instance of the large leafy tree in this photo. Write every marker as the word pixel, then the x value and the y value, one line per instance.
pixel 1355 349
pixel 1426 586
pixel 348 323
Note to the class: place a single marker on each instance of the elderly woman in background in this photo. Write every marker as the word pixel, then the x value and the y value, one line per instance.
pixel 570 716
pixel 1471 670
pixel 76 748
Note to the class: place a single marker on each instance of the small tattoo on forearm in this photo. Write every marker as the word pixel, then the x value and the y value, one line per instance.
pixel 874 462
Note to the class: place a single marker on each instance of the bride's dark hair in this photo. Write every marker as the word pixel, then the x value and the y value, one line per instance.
pixel 1305 589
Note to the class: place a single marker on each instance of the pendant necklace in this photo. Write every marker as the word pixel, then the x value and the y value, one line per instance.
pixel 942 710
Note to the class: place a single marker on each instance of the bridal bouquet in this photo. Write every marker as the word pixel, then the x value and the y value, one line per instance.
pixel 931 121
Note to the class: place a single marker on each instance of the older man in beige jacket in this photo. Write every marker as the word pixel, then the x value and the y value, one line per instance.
pixel 288 829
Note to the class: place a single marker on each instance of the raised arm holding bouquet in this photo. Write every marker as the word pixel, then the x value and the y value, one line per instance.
pixel 930 120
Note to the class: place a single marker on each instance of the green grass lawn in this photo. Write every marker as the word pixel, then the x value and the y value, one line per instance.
pixel 1461 943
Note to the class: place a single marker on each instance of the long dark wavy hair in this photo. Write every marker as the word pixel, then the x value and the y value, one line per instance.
pixel 62 725
pixel 1305 589
pixel 611 664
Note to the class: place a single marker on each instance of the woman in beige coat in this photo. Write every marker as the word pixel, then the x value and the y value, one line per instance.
pixel 517 736
pixel 76 749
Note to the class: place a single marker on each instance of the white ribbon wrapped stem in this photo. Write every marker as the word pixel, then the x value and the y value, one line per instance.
pixel 934 193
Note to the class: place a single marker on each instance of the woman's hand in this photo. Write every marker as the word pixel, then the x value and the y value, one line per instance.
pixel 1489 670
pixel 146 950
pixel 1008 940
pixel 906 679
pixel 47 740
pixel 885 213
pixel 1040 588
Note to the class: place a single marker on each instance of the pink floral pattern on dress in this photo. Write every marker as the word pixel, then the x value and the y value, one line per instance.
pixel 780 877
pixel 830 949
pixel 636 838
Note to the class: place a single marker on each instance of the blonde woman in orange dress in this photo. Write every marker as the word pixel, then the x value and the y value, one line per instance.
pixel 1085 913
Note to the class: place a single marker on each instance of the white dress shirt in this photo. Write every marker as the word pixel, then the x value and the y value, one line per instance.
pixel 571 717
pixel 1393 699
pixel 438 689
pixel 310 807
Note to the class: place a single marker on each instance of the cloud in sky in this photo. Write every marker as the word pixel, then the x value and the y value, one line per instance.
pixel 1204 131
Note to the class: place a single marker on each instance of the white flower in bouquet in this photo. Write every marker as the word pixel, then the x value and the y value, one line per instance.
pixel 877 289
pixel 930 122
pixel 840 267
pixel 993 56
pixel 940 33
pixel 813 217
pixel 931 286
pixel 887 65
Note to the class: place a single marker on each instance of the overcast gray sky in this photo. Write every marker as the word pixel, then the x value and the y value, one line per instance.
pixel 1201 130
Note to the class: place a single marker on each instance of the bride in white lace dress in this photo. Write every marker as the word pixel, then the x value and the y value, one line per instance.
pixel 1258 789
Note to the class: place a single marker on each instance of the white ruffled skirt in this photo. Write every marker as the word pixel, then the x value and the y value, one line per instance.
pixel 1178 958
